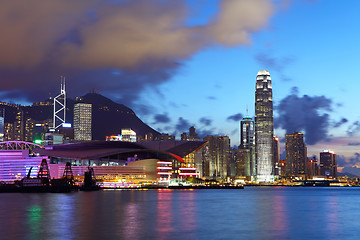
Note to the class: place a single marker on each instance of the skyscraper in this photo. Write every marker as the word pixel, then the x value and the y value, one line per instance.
pixel 296 154
pixel 82 121
pixel 264 127
pixel 246 147
pixel 328 164
pixel 19 125
pixel 219 154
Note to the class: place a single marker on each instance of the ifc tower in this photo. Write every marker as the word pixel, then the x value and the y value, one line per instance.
pixel 264 127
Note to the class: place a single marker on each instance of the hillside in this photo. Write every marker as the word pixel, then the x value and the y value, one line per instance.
pixel 108 117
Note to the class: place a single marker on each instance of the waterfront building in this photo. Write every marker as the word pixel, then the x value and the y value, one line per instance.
pixel 264 127
pixel 296 154
pixel 328 164
pixel 82 121
pixel 247 130
pixel 219 154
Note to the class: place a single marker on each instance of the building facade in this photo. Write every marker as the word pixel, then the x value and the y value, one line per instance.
pixel 219 155
pixel 276 157
pixel 82 121
pixel 328 164
pixel 264 127
pixel 247 130
pixel 296 154
pixel 19 125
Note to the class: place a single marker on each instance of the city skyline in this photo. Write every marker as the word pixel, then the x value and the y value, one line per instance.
pixel 309 47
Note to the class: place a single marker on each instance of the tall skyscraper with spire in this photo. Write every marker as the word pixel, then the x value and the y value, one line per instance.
pixel 264 127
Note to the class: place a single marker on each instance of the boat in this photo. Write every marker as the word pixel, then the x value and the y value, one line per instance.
pixel 89 181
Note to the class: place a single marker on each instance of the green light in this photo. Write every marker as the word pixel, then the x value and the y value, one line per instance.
pixel 38 141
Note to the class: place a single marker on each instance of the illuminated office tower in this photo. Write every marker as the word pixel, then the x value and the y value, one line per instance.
pixel 328 164
pixel 296 154
pixel 82 121
pixel 246 148
pixel 264 128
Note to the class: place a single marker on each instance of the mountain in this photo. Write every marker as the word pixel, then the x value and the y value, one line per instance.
pixel 351 171
pixel 108 117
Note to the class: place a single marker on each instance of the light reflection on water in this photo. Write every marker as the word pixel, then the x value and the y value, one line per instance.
pixel 252 213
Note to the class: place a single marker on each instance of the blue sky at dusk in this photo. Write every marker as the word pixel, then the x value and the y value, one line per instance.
pixel 194 63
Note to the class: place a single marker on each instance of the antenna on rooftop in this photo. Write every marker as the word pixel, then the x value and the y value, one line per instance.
pixel 60 106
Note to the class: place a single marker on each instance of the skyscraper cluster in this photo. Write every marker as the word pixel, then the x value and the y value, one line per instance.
pixel 258 155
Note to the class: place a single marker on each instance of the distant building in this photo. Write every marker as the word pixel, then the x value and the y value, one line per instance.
pixel 39 131
pixel 328 164
pixel 29 129
pixel 264 127
pixel 82 121
pixel 192 136
pixel 2 125
pixel 9 132
pixel 117 138
pixel 240 157
pixel 276 156
pixel 219 155
pixel 296 154
pixel 312 168
pixel 128 135
pixel 165 137
pixel 19 125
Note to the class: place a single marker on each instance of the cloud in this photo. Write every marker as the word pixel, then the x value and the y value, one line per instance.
pixel 205 121
pixel 354 144
pixel 114 47
pixel 236 117
pixel 342 161
pixel 212 98
pixel 341 122
pixel 162 118
pixel 182 125
pixel 278 64
pixel 354 128
pixel 305 113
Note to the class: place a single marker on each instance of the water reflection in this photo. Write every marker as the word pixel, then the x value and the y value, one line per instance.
pixel 34 220
pixel 164 220
pixel 253 213
pixel 186 212
pixel 333 216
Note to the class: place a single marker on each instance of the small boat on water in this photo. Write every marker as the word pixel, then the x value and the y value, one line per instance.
pixel 39 184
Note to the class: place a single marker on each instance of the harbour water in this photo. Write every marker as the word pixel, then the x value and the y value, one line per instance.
pixel 251 213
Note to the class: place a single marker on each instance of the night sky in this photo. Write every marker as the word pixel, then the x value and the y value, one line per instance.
pixel 194 63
